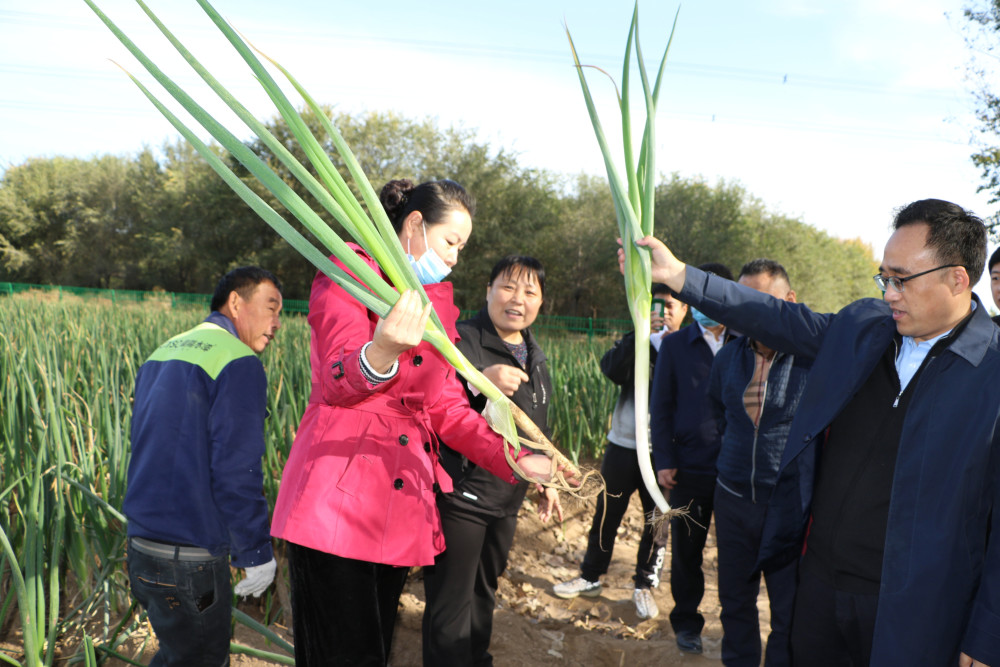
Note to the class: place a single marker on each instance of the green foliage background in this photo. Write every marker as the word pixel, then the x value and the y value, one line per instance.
pixel 163 219
pixel 982 33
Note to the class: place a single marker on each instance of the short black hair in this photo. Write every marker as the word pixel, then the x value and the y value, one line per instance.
pixel 994 259
pixel 956 235
pixel 660 288
pixel 515 265
pixel 720 270
pixel 243 281
pixel 755 267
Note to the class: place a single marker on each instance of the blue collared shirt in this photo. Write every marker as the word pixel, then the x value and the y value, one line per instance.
pixel 913 354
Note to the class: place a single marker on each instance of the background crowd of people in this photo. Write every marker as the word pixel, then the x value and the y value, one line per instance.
pixel 850 459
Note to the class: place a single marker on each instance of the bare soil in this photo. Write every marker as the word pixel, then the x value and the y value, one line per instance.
pixel 532 626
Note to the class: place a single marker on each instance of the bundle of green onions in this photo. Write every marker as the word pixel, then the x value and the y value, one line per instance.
pixel 371 230
pixel 634 201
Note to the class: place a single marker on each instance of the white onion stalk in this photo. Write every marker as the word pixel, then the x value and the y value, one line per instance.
pixel 634 211
pixel 371 230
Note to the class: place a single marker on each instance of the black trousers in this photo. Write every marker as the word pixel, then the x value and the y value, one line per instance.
pixel 831 628
pixel 343 610
pixel 460 588
pixel 620 470
pixel 688 536
pixel 739 524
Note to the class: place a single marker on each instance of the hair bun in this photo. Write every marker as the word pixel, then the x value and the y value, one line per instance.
pixel 394 196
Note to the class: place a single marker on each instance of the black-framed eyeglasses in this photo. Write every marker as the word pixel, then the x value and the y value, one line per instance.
pixel 899 284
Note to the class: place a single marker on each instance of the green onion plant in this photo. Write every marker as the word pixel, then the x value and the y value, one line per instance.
pixel 369 228
pixel 634 197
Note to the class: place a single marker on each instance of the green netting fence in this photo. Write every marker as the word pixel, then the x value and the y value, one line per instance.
pixel 116 296
pixel 545 324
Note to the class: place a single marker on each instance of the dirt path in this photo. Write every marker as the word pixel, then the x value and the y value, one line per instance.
pixel 531 626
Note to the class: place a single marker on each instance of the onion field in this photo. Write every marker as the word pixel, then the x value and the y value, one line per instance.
pixel 67 369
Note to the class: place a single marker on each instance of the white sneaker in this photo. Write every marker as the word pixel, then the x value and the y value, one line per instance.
pixel 579 586
pixel 645 605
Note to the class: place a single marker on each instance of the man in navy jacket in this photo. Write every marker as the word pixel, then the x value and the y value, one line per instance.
pixel 892 461
pixel 685 442
pixel 755 393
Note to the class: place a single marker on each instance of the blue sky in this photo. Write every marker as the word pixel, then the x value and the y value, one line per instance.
pixel 833 112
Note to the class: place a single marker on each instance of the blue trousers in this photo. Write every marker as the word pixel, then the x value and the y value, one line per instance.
pixel 189 605
pixel 738 526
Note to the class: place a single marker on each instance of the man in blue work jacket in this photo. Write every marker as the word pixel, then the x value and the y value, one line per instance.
pixel 195 485
pixel 893 458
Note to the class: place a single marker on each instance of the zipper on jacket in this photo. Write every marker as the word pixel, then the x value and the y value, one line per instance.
pixel 920 371
pixel 753 448
pixel 756 432
pixel 895 403
pixel 534 371
pixel 756 423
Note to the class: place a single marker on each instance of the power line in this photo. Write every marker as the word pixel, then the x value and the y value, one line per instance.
pixel 888 133
pixel 501 52
pixel 305 35
pixel 819 128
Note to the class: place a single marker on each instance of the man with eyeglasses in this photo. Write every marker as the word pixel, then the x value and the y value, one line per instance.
pixel 891 472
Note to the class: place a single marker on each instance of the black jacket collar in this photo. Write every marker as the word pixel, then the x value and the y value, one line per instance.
pixel 490 339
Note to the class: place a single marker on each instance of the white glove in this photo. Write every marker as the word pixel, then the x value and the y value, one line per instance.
pixel 257 579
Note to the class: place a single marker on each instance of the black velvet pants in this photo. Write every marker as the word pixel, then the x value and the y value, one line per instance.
pixel 343 610
pixel 460 588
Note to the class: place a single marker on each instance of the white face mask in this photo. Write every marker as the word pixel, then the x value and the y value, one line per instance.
pixel 430 268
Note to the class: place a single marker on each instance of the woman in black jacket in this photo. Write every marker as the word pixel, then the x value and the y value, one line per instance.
pixel 479 517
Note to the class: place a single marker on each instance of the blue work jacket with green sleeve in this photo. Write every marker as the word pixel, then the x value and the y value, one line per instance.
pixel 195 475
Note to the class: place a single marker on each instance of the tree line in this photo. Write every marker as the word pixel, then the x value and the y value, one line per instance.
pixel 982 35
pixel 162 219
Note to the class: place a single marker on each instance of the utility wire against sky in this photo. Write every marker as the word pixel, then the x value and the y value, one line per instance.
pixel 792 79
pixel 760 80
pixel 721 119
pixel 305 35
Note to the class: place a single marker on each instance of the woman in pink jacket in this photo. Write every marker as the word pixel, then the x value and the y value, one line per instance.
pixel 357 498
